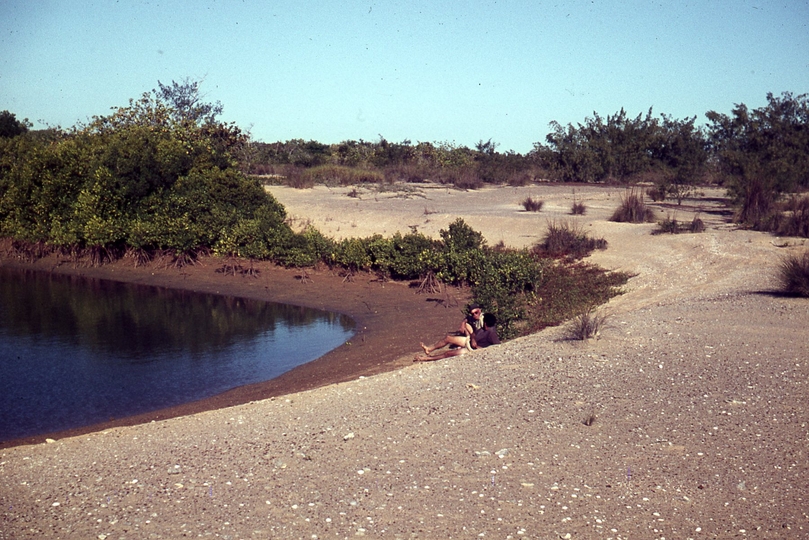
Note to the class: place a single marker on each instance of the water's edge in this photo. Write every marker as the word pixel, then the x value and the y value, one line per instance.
pixel 379 310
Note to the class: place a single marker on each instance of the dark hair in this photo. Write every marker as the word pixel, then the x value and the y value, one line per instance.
pixel 473 307
pixel 489 319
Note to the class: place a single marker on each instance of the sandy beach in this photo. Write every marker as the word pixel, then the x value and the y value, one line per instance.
pixel 687 418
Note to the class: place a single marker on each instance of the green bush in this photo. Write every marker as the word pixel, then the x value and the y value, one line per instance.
pixel 151 176
pixel 762 154
pixel 353 254
pixel 505 284
pixel 408 257
pixel 459 236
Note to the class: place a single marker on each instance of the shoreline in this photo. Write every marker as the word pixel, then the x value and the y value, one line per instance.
pixel 377 308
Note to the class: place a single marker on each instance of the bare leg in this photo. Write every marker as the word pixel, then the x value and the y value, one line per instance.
pixel 458 341
pixel 445 354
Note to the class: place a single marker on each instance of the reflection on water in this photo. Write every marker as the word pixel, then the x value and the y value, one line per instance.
pixel 75 351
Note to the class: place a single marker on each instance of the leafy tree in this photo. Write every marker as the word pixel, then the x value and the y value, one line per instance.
pixel 681 151
pixel 762 152
pixel 186 103
pixel 10 126
pixel 622 148
pixel 157 174
pixel 353 153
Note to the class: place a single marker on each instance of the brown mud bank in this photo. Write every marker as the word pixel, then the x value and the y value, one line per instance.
pixel 390 320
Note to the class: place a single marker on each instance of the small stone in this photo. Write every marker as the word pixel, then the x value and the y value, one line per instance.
pixel 349 436
pixel 50 441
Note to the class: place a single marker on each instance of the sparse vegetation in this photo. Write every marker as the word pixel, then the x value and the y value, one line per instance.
pixel 339 175
pixel 578 208
pixel 794 220
pixel 566 239
pixel 568 288
pixel 532 205
pixel 587 324
pixel 793 274
pixel 697 225
pixel 670 225
pixel 633 209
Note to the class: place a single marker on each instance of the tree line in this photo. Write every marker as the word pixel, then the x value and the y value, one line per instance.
pixel 758 154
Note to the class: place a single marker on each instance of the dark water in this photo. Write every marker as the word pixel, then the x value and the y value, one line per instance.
pixel 76 351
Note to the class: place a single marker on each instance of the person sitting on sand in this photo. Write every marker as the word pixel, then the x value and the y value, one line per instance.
pixel 460 338
pixel 459 344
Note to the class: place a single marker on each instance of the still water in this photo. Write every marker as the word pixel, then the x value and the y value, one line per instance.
pixel 76 351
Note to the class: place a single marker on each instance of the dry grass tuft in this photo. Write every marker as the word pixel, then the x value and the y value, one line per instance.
pixel 587 324
pixel 532 205
pixel 793 275
pixel 633 209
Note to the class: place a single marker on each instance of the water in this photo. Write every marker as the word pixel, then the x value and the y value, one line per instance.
pixel 76 351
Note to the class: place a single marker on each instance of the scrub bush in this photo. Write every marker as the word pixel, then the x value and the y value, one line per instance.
pixel 565 239
pixel 531 205
pixel 795 220
pixel 632 209
pixel 569 287
pixel 340 175
pixel 793 274
pixel 697 225
pixel 670 225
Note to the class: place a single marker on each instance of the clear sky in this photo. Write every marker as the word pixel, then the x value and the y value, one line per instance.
pixel 423 70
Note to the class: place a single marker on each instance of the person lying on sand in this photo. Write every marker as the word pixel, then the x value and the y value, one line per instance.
pixel 483 337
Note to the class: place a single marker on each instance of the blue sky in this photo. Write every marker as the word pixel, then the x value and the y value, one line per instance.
pixel 420 70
